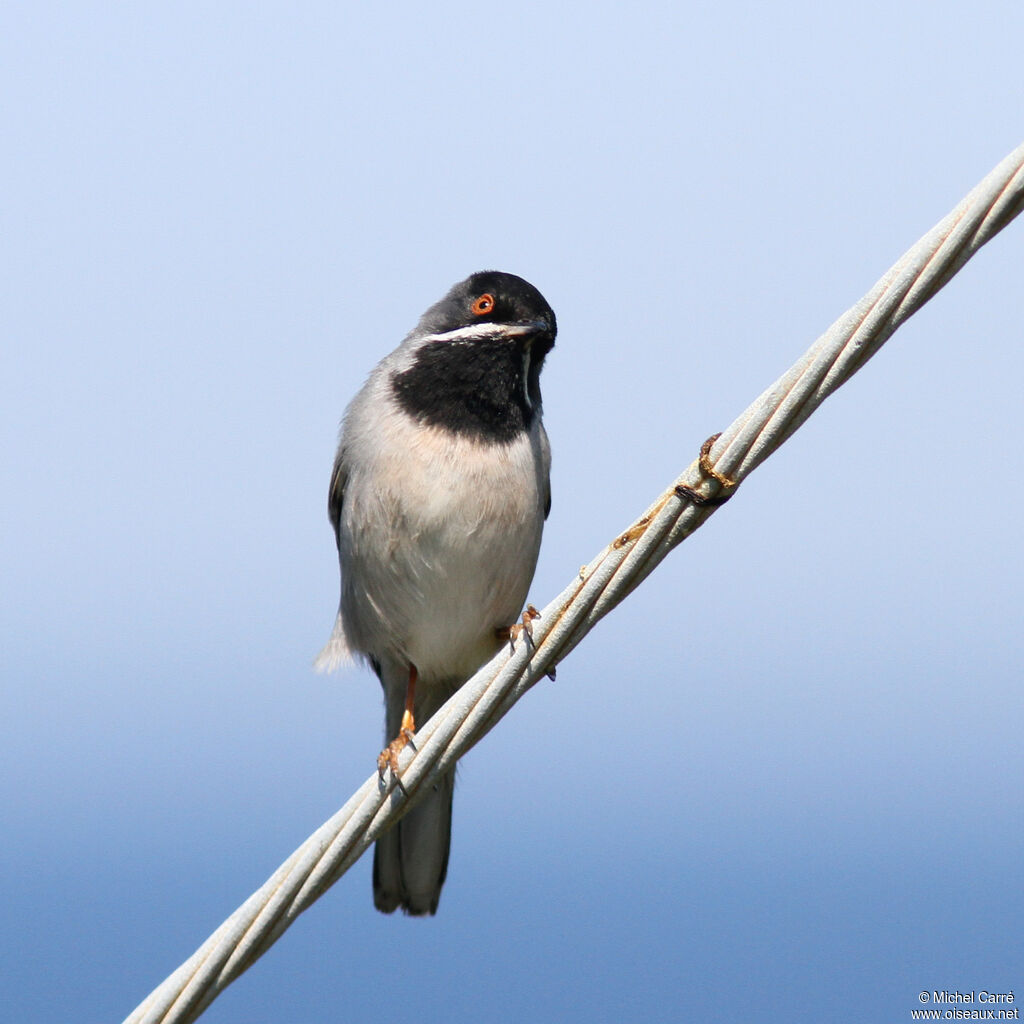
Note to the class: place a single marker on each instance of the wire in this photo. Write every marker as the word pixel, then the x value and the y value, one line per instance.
pixel 478 705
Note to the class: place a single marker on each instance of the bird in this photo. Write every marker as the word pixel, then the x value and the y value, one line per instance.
pixel 438 497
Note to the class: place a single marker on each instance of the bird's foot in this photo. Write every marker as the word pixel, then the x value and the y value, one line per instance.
pixel 388 757
pixel 522 628
pixel 709 471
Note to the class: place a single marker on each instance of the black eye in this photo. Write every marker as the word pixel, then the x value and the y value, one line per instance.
pixel 483 304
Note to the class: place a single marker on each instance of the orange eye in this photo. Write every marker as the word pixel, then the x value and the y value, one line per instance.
pixel 483 304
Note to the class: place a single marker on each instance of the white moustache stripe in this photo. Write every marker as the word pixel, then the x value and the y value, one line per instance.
pixel 486 330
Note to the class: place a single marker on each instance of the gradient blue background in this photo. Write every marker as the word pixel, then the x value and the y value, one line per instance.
pixel 784 781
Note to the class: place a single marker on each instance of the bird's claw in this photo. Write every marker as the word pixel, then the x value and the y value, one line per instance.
pixel 522 628
pixel 709 471
pixel 387 759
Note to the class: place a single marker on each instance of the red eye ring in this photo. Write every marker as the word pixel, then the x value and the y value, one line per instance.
pixel 483 304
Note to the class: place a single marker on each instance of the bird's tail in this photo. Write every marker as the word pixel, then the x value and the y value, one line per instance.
pixel 411 860
pixel 336 652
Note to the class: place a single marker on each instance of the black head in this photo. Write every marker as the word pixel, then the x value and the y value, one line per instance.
pixel 489 297
pixel 477 356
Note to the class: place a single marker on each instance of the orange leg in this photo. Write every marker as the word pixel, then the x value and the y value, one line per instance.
pixel 388 757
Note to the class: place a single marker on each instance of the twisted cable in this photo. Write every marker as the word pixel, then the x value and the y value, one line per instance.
pixel 478 705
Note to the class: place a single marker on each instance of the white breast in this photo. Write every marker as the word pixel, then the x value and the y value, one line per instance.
pixel 439 542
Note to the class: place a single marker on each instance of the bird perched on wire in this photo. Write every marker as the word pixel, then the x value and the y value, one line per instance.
pixel 438 498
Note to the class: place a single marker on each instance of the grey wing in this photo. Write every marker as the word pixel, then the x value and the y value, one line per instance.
pixel 545 448
pixel 336 492
pixel 337 650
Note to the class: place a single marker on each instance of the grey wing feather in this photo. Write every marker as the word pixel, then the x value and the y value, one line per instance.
pixel 545 463
pixel 337 650
pixel 336 492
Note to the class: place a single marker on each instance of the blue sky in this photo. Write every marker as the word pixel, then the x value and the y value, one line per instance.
pixel 783 781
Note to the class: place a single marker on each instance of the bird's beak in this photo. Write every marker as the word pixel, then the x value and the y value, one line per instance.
pixel 529 331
